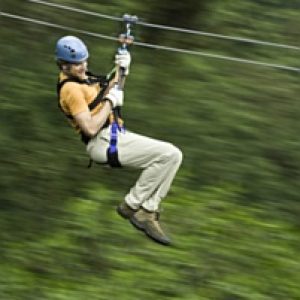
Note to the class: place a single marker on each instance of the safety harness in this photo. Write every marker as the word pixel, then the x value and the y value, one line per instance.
pixel 103 81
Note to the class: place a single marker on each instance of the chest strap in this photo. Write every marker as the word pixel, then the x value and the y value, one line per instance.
pixel 112 151
pixel 101 80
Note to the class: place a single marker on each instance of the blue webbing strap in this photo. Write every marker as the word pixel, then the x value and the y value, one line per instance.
pixel 112 151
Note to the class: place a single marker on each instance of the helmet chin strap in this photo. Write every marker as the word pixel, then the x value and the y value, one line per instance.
pixel 66 68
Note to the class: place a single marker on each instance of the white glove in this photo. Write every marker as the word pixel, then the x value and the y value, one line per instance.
pixel 123 60
pixel 116 96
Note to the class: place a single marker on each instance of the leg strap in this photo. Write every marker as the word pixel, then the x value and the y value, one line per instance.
pixel 112 151
pixel 113 159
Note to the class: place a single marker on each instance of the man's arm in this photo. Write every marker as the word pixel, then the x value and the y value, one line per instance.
pixel 89 124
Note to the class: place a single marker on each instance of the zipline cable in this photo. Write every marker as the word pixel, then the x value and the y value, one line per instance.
pixel 40 22
pixel 78 10
pixel 176 29
pixel 218 56
pixel 153 46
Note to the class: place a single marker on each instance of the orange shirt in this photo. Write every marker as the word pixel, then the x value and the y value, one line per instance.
pixel 75 98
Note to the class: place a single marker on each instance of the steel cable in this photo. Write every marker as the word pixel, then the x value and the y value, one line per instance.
pixel 177 29
pixel 147 45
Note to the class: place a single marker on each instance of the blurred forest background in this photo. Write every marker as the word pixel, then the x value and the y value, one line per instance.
pixel 233 211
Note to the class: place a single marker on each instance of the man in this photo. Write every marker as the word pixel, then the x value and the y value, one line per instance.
pixel 93 119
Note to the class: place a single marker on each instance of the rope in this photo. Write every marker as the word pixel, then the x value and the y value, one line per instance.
pixel 164 27
pixel 159 47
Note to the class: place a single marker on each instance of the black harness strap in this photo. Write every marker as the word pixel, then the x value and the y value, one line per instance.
pixel 91 80
pixel 112 158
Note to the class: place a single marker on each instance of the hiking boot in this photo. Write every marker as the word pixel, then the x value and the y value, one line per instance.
pixel 148 222
pixel 125 211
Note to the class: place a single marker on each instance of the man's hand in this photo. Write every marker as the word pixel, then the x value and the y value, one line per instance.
pixel 115 96
pixel 123 60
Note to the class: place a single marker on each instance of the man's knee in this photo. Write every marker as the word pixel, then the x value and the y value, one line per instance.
pixel 178 156
pixel 175 155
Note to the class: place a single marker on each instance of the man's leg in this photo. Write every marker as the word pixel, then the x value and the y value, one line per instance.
pixel 160 162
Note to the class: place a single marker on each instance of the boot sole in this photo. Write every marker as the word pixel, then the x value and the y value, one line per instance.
pixel 142 228
pixel 139 227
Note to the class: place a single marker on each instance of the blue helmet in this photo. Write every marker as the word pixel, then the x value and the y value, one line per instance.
pixel 71 49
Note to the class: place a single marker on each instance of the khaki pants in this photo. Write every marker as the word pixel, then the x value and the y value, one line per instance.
pixel 158 160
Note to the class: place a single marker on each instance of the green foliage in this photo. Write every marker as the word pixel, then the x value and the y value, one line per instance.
pixel 233 209
pixel 223 249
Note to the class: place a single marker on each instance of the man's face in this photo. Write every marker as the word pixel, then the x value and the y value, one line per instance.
pixel 78 69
